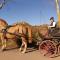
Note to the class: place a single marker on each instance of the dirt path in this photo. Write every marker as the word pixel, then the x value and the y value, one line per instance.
pixel 32 54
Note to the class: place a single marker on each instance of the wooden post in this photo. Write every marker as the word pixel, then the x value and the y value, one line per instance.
pixel 58 12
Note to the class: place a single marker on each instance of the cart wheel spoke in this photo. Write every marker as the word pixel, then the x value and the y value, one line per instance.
pixel 47 48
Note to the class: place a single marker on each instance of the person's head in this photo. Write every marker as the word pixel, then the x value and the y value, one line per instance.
pixel 52 19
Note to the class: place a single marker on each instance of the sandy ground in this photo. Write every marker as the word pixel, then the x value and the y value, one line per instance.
pixel 31 54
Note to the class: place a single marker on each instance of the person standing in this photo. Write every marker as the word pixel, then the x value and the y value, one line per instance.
pixel 52 25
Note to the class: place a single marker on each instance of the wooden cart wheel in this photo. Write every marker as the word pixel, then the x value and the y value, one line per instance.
pixel 59 49
pixel 48 48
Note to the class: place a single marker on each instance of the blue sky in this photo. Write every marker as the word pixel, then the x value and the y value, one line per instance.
pixel 32 11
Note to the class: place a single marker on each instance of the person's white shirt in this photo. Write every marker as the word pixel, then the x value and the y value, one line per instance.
pixel 53 25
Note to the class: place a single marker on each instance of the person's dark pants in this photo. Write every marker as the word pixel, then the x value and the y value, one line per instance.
pixel 51 30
